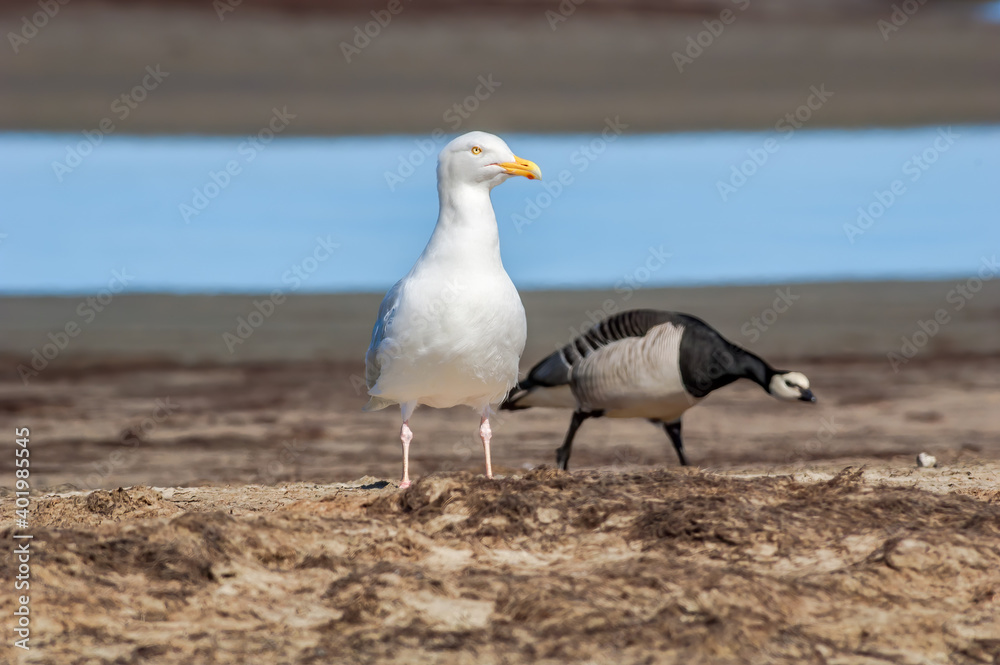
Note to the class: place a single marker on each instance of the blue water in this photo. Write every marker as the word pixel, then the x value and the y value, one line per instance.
pixel 989 12
pixel 120 208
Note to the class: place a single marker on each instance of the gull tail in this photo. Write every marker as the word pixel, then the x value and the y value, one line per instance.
pixel 377 404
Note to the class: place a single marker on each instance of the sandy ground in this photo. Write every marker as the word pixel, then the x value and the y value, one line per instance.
pixel 196 505
pixel 260 519
pixel 882 564
pixel 269 423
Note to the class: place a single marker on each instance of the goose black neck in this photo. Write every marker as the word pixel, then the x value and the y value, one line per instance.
pixel 727 363
pixel 750 366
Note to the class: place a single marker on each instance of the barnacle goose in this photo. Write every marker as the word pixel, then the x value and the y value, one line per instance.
pixel 646 363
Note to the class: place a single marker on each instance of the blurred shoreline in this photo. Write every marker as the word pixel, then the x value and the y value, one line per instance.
pixel 224 75
pixel 814 321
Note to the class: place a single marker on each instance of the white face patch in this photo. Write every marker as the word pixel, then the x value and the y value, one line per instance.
pixel 460 163
pixel 789 385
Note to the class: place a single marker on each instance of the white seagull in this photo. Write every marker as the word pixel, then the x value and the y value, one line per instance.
pixel 452 331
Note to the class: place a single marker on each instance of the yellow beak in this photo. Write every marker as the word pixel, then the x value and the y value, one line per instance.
pixel 523 167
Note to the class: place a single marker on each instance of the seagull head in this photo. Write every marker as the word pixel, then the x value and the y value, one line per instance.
pixel 478 158
pixel 791 386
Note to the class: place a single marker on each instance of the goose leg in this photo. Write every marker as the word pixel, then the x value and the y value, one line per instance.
pixel 562 454
pixel 673 430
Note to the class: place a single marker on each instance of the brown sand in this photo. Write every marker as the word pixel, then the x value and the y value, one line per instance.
pixel 256 542
pixel 244 534
pixel 262 424
pixel 665 566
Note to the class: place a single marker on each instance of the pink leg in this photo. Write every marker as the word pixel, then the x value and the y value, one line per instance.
pixel 485 433
pixel 405 435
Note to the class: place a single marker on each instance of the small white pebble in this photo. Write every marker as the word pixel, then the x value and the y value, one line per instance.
pixel 926 461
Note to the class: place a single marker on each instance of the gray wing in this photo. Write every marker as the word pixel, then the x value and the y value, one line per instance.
pixel 556 369
pixel 633 372
pixel 386 312
pixel 632 323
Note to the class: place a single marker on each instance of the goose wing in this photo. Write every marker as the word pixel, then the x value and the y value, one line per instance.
pixel 547 383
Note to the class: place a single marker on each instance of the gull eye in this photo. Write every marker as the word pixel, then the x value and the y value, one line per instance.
pixel 476 150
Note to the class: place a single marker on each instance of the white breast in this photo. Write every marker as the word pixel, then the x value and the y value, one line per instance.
pixel 454 341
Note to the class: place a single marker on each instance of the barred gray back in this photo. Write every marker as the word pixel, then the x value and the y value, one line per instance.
pixel 633 323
